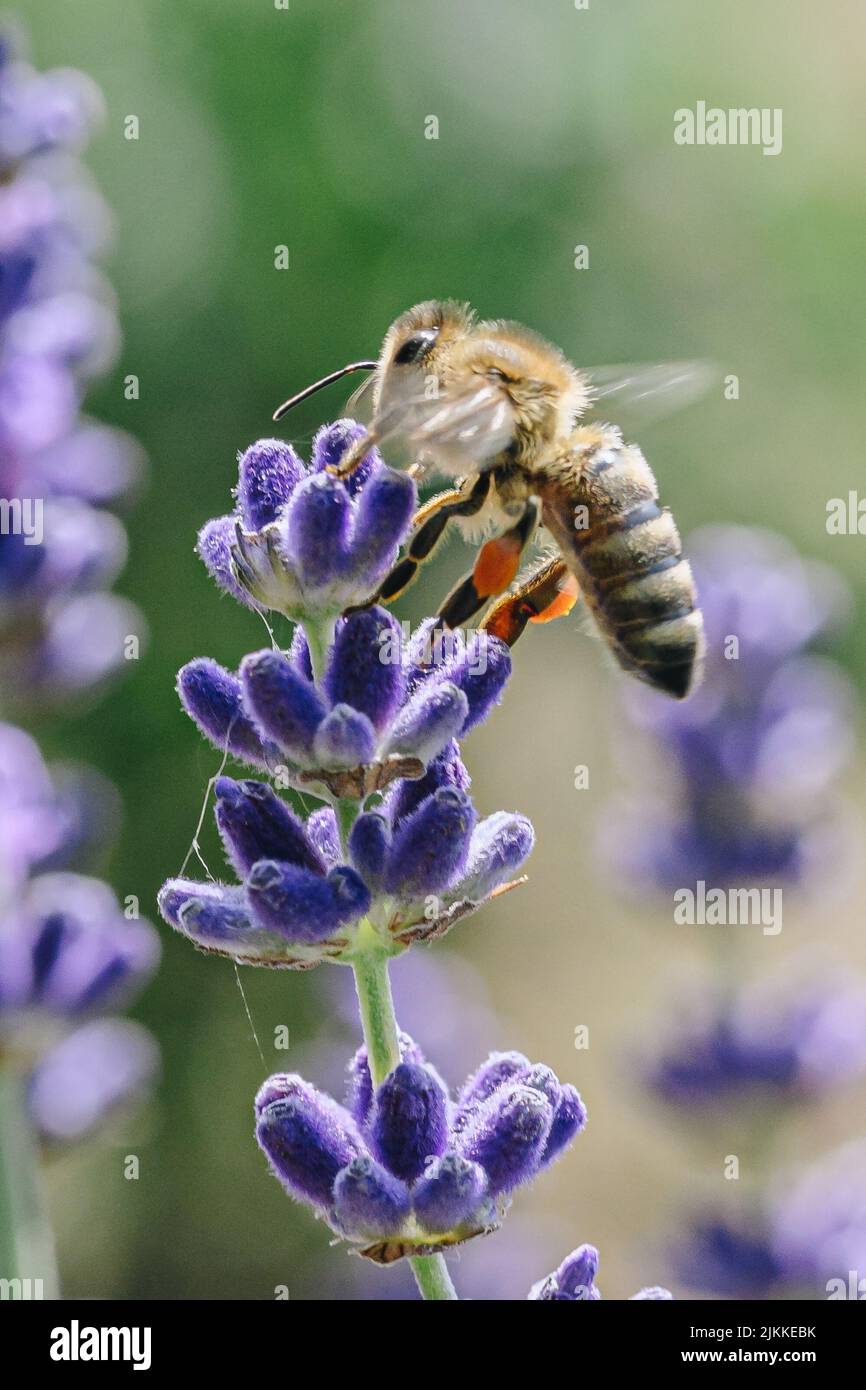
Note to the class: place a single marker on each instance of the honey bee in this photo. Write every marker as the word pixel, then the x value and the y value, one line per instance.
pixel 496 407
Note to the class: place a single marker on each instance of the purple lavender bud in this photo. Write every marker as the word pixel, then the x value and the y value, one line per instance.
pixel 409 1123
pixel 450 1192
pixel 498 848
pixel 507 1136
pixel 281 1086
pixel 569 1119
pixel 359 1098
pixel 368 1201
pixel 384 510
pixel 268 473
pixel 481 671
pixel 324 834
pixel 345 738
pixel 315 527
pixel 543 1080
pixel 286 706
pixel 175 893
pixel 430 847
pixel 214 548
pixel 369 841
pixel 303 906
pixel 654 1292
pixel 208 913
pixel 575 1277
pixel 256 824
pixel 446 770
pixel 331 443
pixel 212 697
pixel 499 1068
pixel 308 1139
pixel 361 671
pixel 428 721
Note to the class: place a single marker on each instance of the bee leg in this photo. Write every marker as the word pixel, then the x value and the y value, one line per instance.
pixel 430 523
pixel 495 566
pixel 354 455
pixel 549 592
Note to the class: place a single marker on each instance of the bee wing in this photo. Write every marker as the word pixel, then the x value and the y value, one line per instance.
pixel 648 392
pixel 469 426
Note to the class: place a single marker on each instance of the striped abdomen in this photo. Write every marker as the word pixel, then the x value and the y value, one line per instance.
pixel 624 549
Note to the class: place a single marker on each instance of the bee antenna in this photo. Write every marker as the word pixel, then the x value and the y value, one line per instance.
pixel 318 385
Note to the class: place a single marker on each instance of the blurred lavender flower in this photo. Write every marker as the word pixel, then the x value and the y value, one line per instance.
pixel 805 1238
pixel 731 1257
pixel 754 753
pixel 53 818
pixel 574 1281
pixel 817 1224
pixel 60 633
pixel 100 1069
pixel 301 541
pixel 750 765
pixel 33 826
pixel 788 1040
pixel 402 1167
pixel 67 951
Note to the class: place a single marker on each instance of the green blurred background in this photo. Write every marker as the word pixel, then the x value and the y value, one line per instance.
pixel 305 127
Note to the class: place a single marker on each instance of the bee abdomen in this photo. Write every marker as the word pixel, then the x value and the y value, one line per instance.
pixel 627 555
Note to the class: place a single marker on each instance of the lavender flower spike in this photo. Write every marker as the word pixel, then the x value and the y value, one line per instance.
pixel 393 1167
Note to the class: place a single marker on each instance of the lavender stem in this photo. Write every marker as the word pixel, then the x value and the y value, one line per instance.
pixel 27 1258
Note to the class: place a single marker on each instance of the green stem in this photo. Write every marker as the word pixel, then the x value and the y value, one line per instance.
pixel 432 1277
pixel 26 1241
pixel 381 1036
pixel 319 638
pixel 377 1010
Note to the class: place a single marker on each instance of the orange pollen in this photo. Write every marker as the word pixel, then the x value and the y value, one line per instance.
pixel 497 564
pixel 562 604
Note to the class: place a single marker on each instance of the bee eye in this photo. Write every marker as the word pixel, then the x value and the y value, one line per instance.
pixel 416 346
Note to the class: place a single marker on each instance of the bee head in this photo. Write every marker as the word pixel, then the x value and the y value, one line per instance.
pixel 413 347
